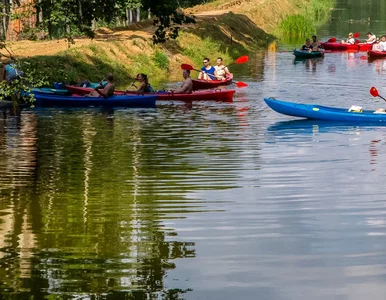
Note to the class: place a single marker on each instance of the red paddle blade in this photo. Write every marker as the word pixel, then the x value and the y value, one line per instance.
pixel 363 57
pixel 331 40
pixel 186 67
pixel 242 59
pixel 241 84
pixel 357 35
pixel 374 92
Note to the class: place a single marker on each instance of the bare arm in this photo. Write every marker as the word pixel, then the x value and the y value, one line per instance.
pixel 107 92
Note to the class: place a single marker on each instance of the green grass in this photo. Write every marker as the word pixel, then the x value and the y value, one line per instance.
pixel 313 14
pixel 161 60
pixel 196 51
pixel 297 25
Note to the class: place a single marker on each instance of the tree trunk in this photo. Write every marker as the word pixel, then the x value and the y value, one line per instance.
pixel 127 17
pixel 148 14
pixel 138 14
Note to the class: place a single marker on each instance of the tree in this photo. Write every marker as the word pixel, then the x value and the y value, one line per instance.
pixel 168 17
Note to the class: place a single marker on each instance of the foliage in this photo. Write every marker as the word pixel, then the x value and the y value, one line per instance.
pixel 297 25
pixel 161 60
pixel 167 18
pixel 81 14
pixel 315 13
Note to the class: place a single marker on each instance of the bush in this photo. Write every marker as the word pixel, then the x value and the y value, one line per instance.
pixel 161 60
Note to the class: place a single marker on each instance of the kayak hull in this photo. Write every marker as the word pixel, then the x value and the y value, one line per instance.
pixel 214 95
pixel 346 47
pixel 51 100
pixel 306 54
pixel 203 84
pixel 376 54
pixel 318 112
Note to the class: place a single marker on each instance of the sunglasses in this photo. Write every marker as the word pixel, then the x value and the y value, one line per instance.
pixel 205 62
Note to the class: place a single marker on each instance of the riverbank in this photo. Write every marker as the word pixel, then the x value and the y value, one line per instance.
pixel 226 29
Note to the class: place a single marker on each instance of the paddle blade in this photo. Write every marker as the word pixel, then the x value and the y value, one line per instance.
pixel 331 40
pixel 186 67
pixel 357 35
pixel 241 84
pixel 242 59
pixel 363 57
pixel 374 92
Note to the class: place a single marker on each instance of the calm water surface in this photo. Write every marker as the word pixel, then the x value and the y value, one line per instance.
pixel 201 201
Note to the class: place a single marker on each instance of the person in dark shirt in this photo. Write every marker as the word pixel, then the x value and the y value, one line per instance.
pixel 307 46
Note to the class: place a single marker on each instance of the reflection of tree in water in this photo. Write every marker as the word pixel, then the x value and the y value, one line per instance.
pixel 356 16
pixel 92 200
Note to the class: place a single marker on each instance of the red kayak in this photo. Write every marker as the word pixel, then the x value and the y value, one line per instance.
pixel 216 95
pixel 346 47
pixel 210 84
pixel 376 54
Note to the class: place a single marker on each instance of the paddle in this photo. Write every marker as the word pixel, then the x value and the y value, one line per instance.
pixel 331 40
pixel 357 35
pixel 132 84
pixel 374 93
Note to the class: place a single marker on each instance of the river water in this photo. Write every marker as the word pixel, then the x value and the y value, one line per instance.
pixel 203 200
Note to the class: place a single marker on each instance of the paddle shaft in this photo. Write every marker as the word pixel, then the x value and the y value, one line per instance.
pixel 381 97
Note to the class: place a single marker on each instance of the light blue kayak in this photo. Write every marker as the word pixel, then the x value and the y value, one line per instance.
pixel 318 112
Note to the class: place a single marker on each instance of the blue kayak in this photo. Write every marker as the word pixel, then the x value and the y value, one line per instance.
pixel 306 54
pixel 318 112
pixel 43 99
pixel 47 90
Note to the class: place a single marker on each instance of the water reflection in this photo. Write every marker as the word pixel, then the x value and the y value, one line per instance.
pixel 85 194
pixel 309 63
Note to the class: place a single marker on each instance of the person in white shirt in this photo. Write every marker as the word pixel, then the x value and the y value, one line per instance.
pixel 371 38
pixel 377 46
pixel 221 71
pixel 350 39
pixel 383 43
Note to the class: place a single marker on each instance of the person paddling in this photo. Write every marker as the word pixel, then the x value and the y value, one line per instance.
pixel 207 71
pixel 108 89
pixel 221 70
pixel 144 86
pixel 187 85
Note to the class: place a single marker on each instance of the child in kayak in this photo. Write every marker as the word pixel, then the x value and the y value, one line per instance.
pixel 207 71
pixel 350 39
pixel 307 46
pixel 377 46
pixel 382 43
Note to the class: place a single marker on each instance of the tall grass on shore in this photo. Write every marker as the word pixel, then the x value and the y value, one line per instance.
pixel 311 15
pixel 297 25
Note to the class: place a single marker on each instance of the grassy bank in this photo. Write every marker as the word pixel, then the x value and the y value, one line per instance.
pixel 126 52
pixel 278 17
